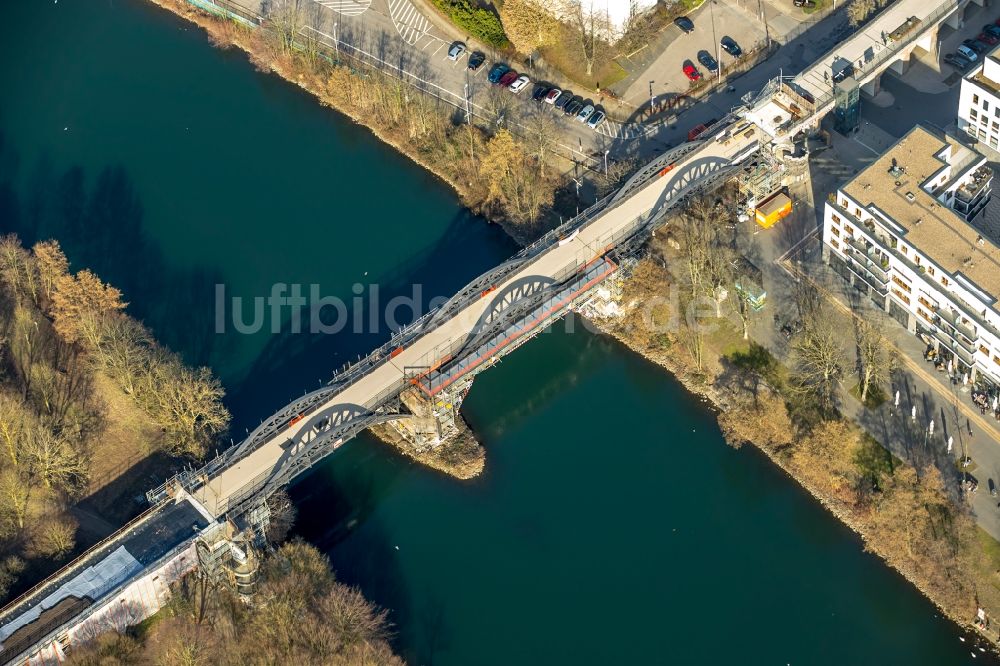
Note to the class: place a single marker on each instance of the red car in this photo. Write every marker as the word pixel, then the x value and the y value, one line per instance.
pixel 987 38
pixel 508 78
pixel 691 71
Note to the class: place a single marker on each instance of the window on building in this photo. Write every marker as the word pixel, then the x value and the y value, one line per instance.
pixel 835 243
pixel 984 349
pixel 944 280
pixel 848 230
pixel 930 271
pixel 835 218
pixel 975 99
pixel 903 248
pixel 843 204
pixel 996 359
pixel 986 105
pixel 902 284
pixel 993 142
pixel 981 134
pixel 834 231
pixel 983 120
pixel 974 114
pixel 996 111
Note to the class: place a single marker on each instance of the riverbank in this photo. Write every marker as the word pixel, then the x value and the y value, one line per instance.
pixel 494 174
pixel 777 447
pixel 902 515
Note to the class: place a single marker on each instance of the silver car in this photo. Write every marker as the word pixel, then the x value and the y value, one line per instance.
pixel 456 51
pixel 585 113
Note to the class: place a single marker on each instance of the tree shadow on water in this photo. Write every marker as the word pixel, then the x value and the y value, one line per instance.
pixel 99 224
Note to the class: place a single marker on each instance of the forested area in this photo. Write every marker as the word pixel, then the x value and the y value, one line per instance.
pixel 68 350
pixel 300 615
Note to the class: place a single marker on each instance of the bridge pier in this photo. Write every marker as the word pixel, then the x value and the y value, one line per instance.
pixel 435 434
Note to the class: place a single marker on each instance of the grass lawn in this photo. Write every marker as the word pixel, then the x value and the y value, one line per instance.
pixel 575 69
pixel 876 396
pixel 819 6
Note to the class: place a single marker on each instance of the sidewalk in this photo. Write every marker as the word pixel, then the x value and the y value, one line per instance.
pixel 931 393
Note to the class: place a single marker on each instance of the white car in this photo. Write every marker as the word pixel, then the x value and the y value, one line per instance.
pixel 967 52
pixel 456 51
pixel 584 113
pixel 553 96
pixel 519 84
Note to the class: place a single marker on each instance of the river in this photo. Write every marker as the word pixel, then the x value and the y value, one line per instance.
pixel 612 523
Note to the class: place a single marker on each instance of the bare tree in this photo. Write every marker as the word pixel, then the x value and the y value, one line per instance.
pixel 540 135
pixel 589 28
pixel 15 492
pixel 287 18
pixel 52 266
pixel 126 352
pixel 15 423
pixel 54 460
pixel 528 25
pixel 187 404
pixel 819 358
pixel 874 360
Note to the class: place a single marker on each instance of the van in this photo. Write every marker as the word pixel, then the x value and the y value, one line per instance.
pixel 967 52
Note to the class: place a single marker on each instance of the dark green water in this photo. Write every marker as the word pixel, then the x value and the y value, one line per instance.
pixel 612 524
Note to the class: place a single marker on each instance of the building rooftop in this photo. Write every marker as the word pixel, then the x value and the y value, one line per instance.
pixel 894 185
pixel 98 572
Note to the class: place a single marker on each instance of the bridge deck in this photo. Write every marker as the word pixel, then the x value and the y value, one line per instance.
pixel 556 264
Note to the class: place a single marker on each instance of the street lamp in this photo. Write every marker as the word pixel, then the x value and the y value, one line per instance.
pixel 577 183
pixel 651 97
pixel 336 44
pixel 606 162
pixel 718 56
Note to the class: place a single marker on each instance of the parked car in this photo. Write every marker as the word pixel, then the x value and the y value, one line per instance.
pixel 519 83
pixel 684 23
pixel 585 113
pixel 975 45
pixel 964 50
pixel 456 51
pixel 706 59
pixel 596 119
pixel 730 46
pixel 508 78
pixel 957 61
pixel 573 107
pixel 539 93
pixel 497 72
pixel 691 71
pixel 988 39
pixel 804 3
pixel 476 60
pixel 991 29
pixel 563 99
pixel 552 96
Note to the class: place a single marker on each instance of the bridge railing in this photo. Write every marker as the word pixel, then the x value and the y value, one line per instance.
pixel 888 51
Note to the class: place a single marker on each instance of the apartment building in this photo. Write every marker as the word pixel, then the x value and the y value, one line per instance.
pixel 979 104
pixel 899 233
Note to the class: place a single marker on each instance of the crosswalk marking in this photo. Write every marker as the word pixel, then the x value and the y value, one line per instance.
pixel 347 7
pixel 410 23
pixel 615 130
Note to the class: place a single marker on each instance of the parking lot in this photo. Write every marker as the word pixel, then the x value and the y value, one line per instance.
pixel 666 73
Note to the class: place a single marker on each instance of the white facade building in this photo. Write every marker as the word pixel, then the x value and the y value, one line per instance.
pixel 979 104
pixel 899 233
pixel 617 13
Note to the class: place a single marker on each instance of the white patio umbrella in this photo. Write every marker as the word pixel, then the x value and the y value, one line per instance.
pixel 897 399
pixel 949 366
pixel 913 413
pixel 951 440
pixel 930 428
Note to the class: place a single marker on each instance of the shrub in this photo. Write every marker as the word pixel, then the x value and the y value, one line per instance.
pixel 477 21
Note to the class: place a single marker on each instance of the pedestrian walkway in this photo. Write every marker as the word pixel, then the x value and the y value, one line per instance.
pixel 935 421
